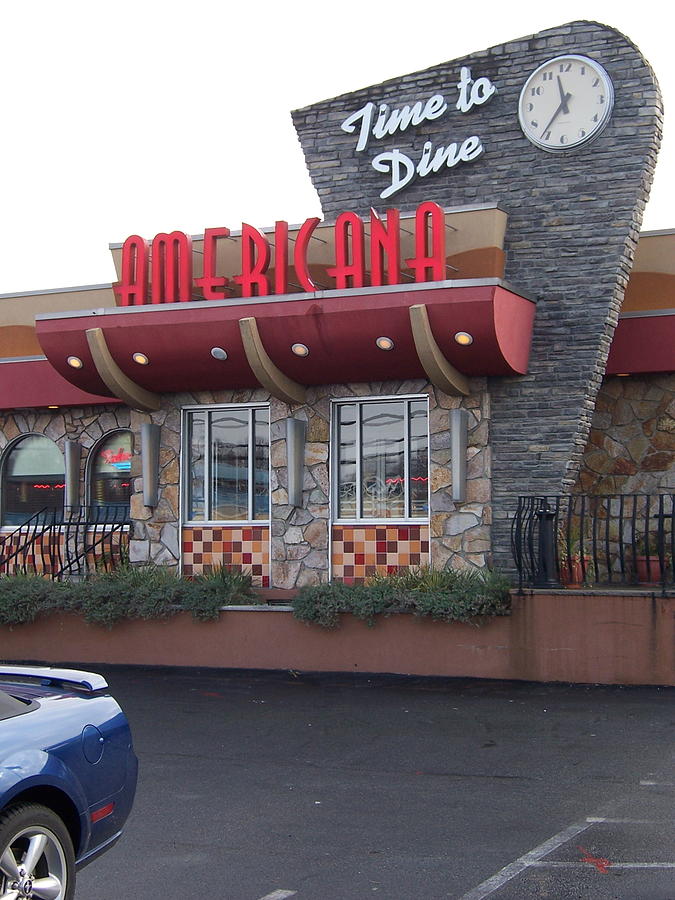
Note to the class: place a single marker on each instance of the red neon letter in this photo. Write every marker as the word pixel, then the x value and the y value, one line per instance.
pixel 300 254
pixel 425 261
pixel 255 258
pixel 281 258
pixel 172 268
pixel 209 280
pixel 133 287
pixel 348 230
pixel 385 241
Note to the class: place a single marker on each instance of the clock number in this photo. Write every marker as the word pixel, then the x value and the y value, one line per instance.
pixel 596 82
pixel 563 138
pixel 583 70
pixel 530 107
pixel 595 117
pixel 546 136
pixel 582 133
pixel 548 76
pixel 537 91
pixel 565 67
pixel 601 98
pixel 534 124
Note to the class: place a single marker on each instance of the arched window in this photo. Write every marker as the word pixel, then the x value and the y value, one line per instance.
pixel 32 479
pixel 110 474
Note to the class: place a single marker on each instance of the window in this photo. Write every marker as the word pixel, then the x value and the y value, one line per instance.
pixel 33 479
pixel 110 474
pixel 381 459
pixel 227 464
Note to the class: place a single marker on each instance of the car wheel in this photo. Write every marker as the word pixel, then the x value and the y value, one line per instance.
pixel 36 855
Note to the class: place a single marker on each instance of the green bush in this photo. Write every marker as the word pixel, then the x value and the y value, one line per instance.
pixel 24 597
pixel 450 595
pixel 205 594
pixel 130 592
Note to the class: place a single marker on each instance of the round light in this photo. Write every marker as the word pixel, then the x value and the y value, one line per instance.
pixel 623 374
pixel 218 353
pixel 385 343
pixel 140 358
pixel 52 407
pixel 300 349
pixel 75 362
pixel 463 338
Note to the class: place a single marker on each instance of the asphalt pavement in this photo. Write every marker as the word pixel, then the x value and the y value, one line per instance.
pixel 278 785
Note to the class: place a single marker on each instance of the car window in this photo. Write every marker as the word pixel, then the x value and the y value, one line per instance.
pixel 14 706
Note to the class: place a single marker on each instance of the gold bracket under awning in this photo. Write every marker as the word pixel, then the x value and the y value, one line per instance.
pixel 268 374
pixel 441 373
pixel 114 378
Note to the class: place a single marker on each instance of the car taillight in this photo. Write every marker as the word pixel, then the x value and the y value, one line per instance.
pixel 102 812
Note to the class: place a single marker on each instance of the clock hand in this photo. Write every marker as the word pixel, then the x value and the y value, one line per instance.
pixel 561 108
pixel 563 96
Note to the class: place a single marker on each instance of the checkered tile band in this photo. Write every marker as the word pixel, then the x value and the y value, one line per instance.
pixel 246 548
pixel 359 552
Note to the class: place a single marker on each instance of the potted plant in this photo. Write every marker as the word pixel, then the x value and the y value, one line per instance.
pixel 647 562
pixel 574 566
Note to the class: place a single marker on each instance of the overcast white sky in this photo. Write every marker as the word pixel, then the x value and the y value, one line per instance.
pixel 136 116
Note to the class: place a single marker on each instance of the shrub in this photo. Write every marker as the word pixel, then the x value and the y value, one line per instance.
pixel 205 594
pixel 24 597
pixel 451 595
pixel 129 592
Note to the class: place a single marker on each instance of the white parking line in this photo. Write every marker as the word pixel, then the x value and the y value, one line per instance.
pixel 528 859
pixel 556 864
pixel 279 895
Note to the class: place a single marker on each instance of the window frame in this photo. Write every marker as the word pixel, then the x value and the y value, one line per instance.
pixel 335 462
pixel 207 409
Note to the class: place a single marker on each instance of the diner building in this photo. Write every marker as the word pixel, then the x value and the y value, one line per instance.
pixel 476 321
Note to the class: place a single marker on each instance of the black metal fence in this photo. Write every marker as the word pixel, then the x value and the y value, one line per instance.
pixel 69 543
pixel 577 540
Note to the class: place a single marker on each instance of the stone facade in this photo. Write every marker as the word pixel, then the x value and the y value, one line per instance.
pixel 631 447
pixel 300 553
pixel 86 425
pixel 572 229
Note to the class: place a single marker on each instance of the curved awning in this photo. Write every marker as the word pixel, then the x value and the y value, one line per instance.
pixel 339 329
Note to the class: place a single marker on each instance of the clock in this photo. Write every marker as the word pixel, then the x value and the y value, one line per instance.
pixel 566 102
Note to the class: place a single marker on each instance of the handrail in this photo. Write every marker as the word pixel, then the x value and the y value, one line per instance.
pixel 84 534
pixel 33 537
pixel 80 541
pixel 591 539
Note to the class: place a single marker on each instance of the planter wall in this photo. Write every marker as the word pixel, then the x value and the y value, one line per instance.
pixel 585 638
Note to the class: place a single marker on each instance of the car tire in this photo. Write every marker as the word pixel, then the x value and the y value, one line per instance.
pixel 32 833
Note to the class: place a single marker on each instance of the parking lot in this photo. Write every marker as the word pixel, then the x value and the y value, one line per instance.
pixel 278 785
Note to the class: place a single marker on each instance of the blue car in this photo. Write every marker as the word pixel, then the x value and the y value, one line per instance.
pixel 67 778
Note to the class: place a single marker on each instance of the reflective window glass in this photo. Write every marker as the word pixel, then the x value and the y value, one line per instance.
pixel 381 459
pixel 33 480
pixel 227 465
pixel 111 473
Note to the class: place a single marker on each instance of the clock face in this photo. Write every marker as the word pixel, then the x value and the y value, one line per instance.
pixel 565 102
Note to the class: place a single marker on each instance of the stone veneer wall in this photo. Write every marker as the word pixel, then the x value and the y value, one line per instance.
pixel 572 229
pixel 631 448
pixel 86 425
pixel 459 533
pixel 300 536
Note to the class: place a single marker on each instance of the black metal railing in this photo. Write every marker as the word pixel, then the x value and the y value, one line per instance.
pixel 69 543
pixel 29 547
pixel 613 540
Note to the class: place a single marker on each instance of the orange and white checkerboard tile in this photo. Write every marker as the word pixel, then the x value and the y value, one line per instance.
pixel 358 552
pixel 245 548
